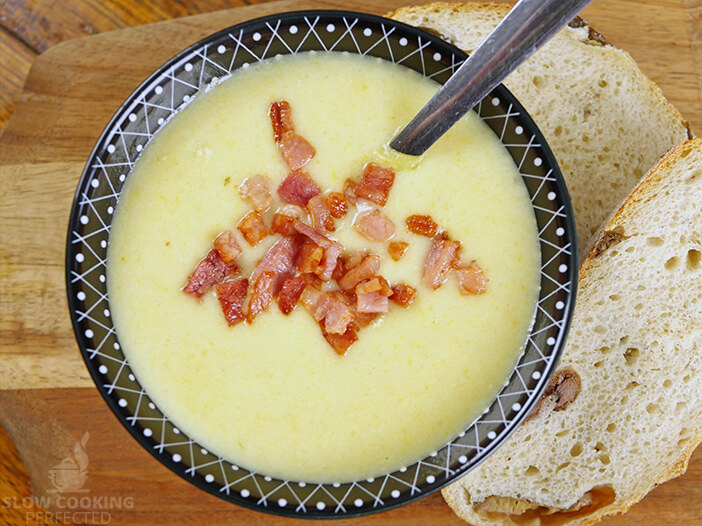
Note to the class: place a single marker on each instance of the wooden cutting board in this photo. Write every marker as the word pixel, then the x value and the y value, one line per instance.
pixel 47 400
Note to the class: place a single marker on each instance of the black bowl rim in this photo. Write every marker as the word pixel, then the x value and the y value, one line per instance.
pixel 572 275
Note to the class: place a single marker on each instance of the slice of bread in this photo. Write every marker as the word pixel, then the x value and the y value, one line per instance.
pixel 636 344
pixel 606 121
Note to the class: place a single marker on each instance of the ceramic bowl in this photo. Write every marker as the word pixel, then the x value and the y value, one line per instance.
pixel 169 89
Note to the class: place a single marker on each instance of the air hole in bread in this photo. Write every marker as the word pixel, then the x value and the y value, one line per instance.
pixel 611 428
pixel 563 433
pixel 654 241
pixel 693 259
pixel 562 466
pixel 680 407
pixel 631 355
pixel 623 340
pixel 538 81
pixel 558 130
pixel 532 471
pixel 653 409
pixel 604 350
pixel 631 385
pixel 638 306
pixel 672 263
pixel 576 450
pixel 686 378
pixel 668 383
pixel 599 364
pixel 615 297
pixel 603 83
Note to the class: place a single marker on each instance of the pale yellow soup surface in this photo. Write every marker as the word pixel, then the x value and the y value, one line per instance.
pixel 273 396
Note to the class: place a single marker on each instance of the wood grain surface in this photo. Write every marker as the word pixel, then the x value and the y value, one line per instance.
pixel 47 401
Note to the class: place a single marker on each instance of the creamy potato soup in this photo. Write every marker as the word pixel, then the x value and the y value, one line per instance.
pixel 273 396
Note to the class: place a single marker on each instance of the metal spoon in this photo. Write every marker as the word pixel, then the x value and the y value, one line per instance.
pixel 527 27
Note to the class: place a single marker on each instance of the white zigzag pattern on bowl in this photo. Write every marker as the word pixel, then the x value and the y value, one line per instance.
pixel 303 497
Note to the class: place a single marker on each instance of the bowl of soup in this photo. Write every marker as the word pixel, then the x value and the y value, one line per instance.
pixel 292 316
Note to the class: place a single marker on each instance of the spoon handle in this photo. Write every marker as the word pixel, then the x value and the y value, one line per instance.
pixel 528 26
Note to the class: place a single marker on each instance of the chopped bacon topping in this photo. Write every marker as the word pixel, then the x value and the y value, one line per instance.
pixel 324 306
pixel 283 224
pixel 290 293
pixel 253 228
pixel 337 204
pixel 320 214
pixel 296 151
pixel 375 226
pixel 231 295
pixel 422 225
pixel 471 279
pixel 354 258
pixel 225 243
pixel 310 258
pixel 397 249
pixel 330 259
pixel 372 295
pixel 443 256
pixel 280 259
pixel 297 188
pixel 281 119
pixel 308 231
pixel 261 295
pixel 210 271
pixel 374 284
pixel 403 295
pixel 340 268
pixel 376 183
pixel 364 270
pixel 350 191
pixel 340 342
pixel 284 220
pixel 372 302
pixel 257 190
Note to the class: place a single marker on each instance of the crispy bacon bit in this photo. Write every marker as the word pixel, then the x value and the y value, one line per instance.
pixel 257 190
pixel 297 188
pixel 320 214
pixel 331 257
pixel 397 249
pixel 375 226
pixel 312 280
pixel 290 293
pixel 225 243
pixel 337 204
pixel 307 230
pixel 442 257
pixel 231 295
pixel 350 191
pixel 340 268
pixel 422 225
pixel 403 295
pixel 284 220
pixel 376 183
pixel 372 295
pixel 280 259
pixel 364 270
pixel 374 284
pixel 210 271
pixel 253 228
pixel 340 342
pixel 310 258
pixel 324 306
pixel 296 151
pixel 283 224
pixel 281 119
pixel 261 295
pixel 471 279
